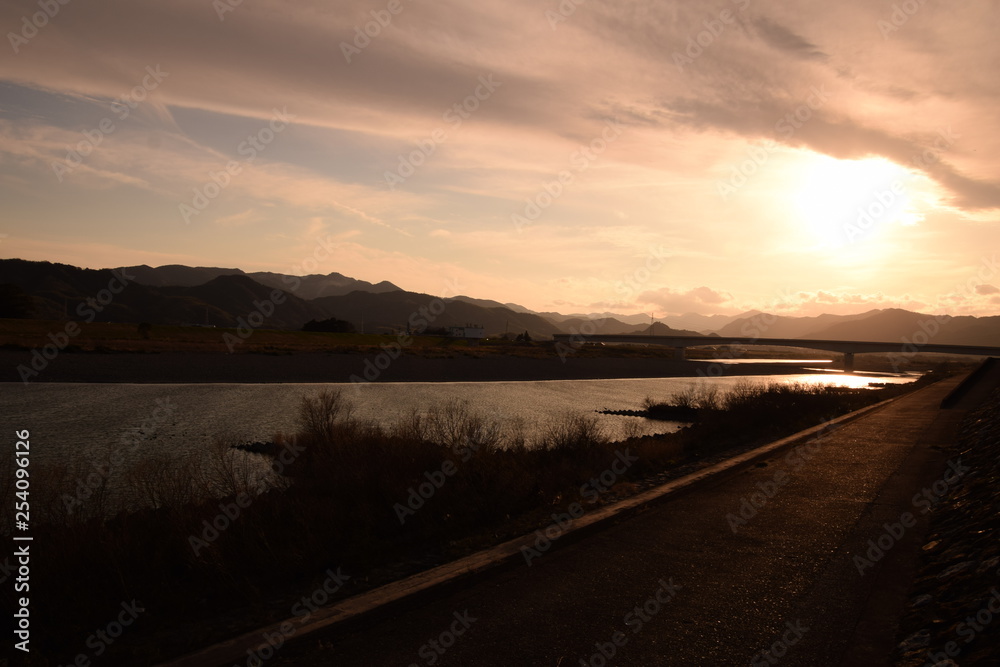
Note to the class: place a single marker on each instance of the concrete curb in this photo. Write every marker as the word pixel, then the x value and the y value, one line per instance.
pixel 389 596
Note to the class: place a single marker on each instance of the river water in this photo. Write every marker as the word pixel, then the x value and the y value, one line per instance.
pixel 79 422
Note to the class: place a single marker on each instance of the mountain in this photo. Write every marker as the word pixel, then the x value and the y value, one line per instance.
pixel 766 325
pixel 176 275
pixel 703 323
pixel 397 311
pixel 177 294
pixel 661 329
pixel 483 303
pixel 315 286
pixel 881 325
pixel 63 292
pixel 605 325
pixel 60 292
pixel 894 324
pixel 305 287
pixel 634 320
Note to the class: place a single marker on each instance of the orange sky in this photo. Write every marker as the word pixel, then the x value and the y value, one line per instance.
pixel 580 156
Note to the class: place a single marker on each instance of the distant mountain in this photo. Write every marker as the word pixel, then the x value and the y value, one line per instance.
pixel 60 292
pixel 304 287
pixel 881 325
pixel 223 297
pixel 634 320
pixel 894 324
pixel 600 325
pixel 482 303
pixel 177 275
pixel 704 323
pixel 63 292
pixel 398 311
pixel 315 286
pixel 661 329
pixel 765 325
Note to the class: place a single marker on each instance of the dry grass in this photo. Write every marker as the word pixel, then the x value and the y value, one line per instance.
pixel 348 496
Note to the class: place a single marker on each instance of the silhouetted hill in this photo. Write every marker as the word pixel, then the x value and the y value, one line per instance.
pixel 63 292
pixel 395 311
pixel 704 323
pixel 222 297
pixel 661 329
pixel 766 325
pixel 304 287
pixel 600 325
pixel 177 275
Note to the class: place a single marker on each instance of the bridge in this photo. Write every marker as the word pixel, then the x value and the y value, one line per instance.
pixel 846 347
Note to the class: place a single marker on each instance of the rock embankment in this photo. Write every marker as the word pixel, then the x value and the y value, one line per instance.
pixel 953 615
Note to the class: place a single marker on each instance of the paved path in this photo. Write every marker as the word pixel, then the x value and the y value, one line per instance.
pixel 786 581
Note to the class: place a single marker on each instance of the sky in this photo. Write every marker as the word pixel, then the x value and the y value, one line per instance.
pixel 576 156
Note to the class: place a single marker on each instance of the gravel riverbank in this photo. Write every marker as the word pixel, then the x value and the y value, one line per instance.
pixel 953 615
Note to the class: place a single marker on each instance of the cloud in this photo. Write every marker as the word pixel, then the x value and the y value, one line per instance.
pixel 675 302
pixel 783 39
pixel 987 289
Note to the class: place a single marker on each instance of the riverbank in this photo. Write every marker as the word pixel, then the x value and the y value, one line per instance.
pixel 381 502
pixel 195 367
pixel 954 603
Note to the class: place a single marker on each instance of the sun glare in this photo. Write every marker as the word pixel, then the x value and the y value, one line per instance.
pixel 849 203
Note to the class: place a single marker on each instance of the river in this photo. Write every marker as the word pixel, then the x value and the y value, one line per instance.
pixel 81 422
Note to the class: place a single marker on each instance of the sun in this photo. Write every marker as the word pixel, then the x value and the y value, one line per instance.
pixel 850 203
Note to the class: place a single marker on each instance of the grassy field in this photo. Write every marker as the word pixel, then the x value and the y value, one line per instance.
pixel 19 334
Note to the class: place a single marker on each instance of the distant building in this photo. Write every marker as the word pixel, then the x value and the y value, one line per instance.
pixel 468 331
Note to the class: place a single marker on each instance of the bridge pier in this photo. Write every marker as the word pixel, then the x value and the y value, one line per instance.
pixel 679 353
pixel 848 362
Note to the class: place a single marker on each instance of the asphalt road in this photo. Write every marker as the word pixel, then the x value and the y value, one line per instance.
pixel 675 585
